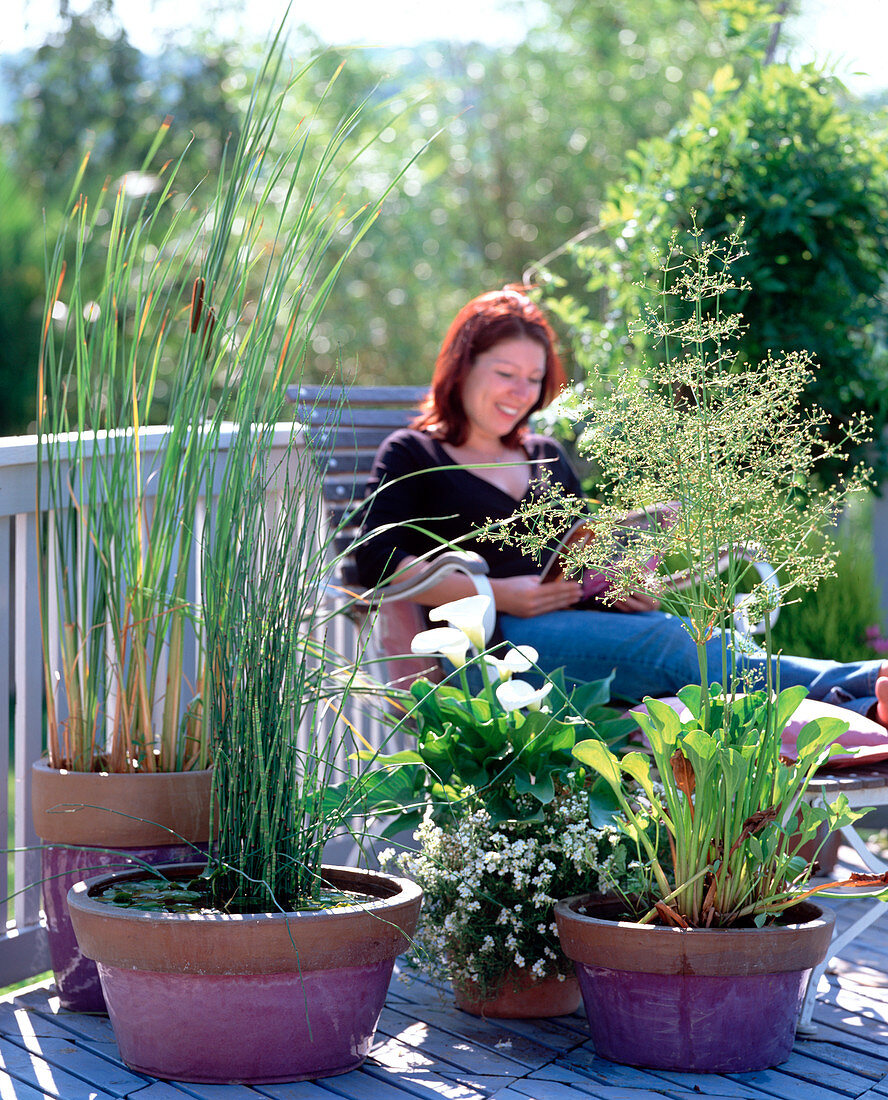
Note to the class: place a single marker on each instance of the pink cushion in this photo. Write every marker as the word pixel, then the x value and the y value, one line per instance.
pixel 865 735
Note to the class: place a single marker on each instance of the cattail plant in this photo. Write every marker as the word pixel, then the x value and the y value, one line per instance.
pixel 213 296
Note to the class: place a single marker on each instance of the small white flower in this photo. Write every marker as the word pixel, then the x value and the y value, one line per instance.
pixel 446 641
pixel 466 615
pixel 517 694
pixel 520 659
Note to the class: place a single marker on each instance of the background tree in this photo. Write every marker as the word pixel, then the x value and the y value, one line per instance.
pixel 805 170
pixel 21 301
pixel 530 138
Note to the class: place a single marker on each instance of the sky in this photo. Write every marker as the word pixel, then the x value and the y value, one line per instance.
pixel 850 35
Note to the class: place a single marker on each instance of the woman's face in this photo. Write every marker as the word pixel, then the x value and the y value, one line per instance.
pixel 502 387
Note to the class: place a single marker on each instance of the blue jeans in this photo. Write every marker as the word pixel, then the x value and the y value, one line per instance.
pixel 651 653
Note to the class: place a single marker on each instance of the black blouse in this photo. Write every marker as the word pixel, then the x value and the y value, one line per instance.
pixel 447 504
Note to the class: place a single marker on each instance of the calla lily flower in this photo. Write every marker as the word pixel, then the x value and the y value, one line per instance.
pixel 518 694
pixel 520 659
pixel 466 615
pixel 443 641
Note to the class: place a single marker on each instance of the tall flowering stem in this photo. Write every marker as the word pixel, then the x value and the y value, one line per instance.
pixel 731 443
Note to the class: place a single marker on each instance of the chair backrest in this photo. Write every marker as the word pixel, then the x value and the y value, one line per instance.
pixel 346 425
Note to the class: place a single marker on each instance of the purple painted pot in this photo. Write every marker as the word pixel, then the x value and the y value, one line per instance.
pixel 694 1000
pixel 88 812
pixel 247 999
pixel 76 977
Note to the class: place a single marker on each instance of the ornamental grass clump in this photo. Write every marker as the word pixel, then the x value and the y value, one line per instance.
pixel 206 300
pixel 728 441
pixel 274 689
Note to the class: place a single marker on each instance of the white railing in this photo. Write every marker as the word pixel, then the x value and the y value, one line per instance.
pixel 23 949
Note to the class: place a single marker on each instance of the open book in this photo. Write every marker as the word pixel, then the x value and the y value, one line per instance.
pixel 595 583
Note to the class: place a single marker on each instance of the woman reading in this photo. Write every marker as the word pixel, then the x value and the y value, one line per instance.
pixel 471 459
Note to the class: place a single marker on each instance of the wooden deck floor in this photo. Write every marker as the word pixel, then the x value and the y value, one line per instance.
pixel 426 1048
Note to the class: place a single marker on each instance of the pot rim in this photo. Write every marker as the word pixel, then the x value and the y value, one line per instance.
pixel 654 949
pixel 568 907
pixel 403 890
pixel 120 810
pixel 275 943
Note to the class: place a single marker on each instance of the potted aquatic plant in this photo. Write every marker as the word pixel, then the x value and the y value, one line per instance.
pixel 199 312
pixel 501 813
pixel 263 964
pixel 258 962
pixel 705 969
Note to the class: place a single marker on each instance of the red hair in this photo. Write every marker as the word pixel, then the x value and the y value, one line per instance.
pixel 506 314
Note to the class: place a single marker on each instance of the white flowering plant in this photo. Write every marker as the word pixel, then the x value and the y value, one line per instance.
pixel 488 888
pixel 507 820
pixel 509 740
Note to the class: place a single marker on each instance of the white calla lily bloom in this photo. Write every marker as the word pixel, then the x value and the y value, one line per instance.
pixel 444 641
pixel 466 615
pixel 518 694
pixel 520 659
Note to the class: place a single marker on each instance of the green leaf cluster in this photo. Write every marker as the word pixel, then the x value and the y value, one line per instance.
pixel 805 170
pixel 732 807
pixel 469 746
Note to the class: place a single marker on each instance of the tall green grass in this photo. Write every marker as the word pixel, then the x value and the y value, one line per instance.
pixel 832 621
pixel 215 293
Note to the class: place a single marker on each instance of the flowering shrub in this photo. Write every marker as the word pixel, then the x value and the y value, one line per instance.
pixel 489 888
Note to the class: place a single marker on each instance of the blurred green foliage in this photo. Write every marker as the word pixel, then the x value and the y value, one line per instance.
pixel 841 620
pixel 21 301
pixel 805 172
pixel 524 142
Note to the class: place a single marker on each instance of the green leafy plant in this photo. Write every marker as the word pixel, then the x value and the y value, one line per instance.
pixel 790 157
pixel 500 806
pixel 733 446
pixel 505 742
pixel 732 808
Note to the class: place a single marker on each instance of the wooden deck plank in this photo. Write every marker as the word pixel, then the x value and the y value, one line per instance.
pixel 449 1048
pixel 427 1085
pixel 349 1086
pixel 586 1063
pixel 40 1074
pixel 671 1084
pixel 489 1034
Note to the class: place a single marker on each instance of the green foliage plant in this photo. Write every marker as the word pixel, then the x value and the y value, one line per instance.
pixel 500 806
pixel 220 289
pixel 787 153
pixel 840 619
pixel 731 444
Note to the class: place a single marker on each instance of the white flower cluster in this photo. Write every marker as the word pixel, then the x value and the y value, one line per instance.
pixel 489 889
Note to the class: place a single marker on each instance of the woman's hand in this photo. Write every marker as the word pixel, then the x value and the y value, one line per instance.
pixel 525 596
pixel 636 601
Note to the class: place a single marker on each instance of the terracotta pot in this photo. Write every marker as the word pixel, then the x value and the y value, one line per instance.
pixel 694 1000
pixel 251 999
pixel 520 997
pixel 148 817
